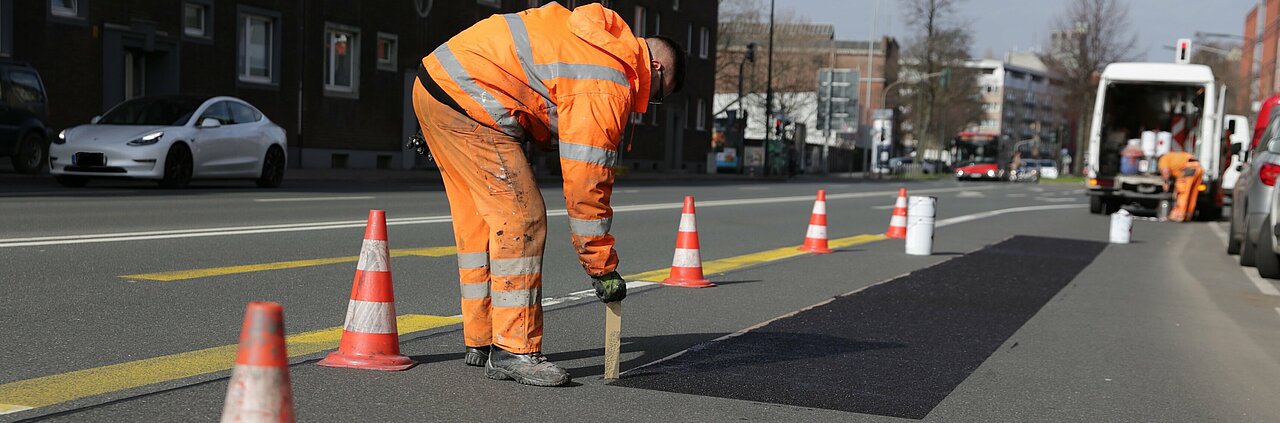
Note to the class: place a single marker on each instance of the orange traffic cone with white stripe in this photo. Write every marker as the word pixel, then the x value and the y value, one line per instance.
pixel 898 223
pixel 686 266
pixel 259 390
pixel 369 338
pixel 815 239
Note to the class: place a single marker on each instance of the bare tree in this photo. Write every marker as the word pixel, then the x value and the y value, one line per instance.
pixel 1088 35
pixel 938 106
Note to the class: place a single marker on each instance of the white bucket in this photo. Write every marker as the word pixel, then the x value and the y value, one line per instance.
pixel 1164 143
pixel 1121 227
pixel 921 212
pixel 1149 143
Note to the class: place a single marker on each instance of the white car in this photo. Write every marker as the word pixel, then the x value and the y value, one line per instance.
pixel 172 139
pixel 1048 169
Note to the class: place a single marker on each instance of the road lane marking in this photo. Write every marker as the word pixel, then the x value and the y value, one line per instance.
pixel 63 387
pixel 231 270
pixel 58 388
pixel 1250 273
pixel 287 200
pixel 1015 195
pixel 969 194
pixel 883 207
pixel 314 226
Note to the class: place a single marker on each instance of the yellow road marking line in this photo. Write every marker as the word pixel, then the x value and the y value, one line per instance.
pixel 58 388
pixel 752 259
pixel 231 270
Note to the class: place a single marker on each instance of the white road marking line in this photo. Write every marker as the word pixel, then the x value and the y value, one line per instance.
pixel 1056 199
pixel 984 215
pixel 753 188
pixel 1015 195
pixel 969 194
pixel 628 191
pixel 1251 273
pixel 1036 189
pixel 314 226
pixel 882 207
pixel 285 200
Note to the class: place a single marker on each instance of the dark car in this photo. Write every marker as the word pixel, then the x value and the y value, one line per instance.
pixel 24 113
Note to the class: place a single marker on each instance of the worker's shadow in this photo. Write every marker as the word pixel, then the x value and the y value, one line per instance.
pixel 752 348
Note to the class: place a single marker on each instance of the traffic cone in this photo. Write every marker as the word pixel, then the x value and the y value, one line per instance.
pixel 686 266
pixel 369 338
pixel 815 239
pixel 898 223
pixel 259 390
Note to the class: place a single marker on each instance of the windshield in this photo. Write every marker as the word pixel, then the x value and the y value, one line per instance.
pixel 166 111
pixel 983 160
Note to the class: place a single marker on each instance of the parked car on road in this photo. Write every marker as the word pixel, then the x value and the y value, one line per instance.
pixel 1048 168
pixel 173 139
pixel 24 113
pixel 1254 189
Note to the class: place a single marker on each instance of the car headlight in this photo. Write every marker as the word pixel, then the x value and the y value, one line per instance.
pixel 147 139
pixel 62 137
pixel 991 173
pixel 959 173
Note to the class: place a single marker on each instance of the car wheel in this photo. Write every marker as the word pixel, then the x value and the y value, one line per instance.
pixel 1267 262
pixel 1095 204
pixel 1247 246
pixel 71 181
pixel 177 167
pixel 32 154
pixel 1233 243
pixel 272 168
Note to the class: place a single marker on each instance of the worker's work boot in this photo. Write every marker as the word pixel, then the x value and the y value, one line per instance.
pixel 476 356
pixel 529 369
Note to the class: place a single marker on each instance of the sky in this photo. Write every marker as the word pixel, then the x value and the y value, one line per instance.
pixel 1023 25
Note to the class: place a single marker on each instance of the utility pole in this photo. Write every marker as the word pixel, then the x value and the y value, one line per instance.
pixel 768 94
pixel 871 66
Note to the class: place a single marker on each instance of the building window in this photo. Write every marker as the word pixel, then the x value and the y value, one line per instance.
pixel 639 22
pixel 387 54
pixel 341 58
pixel 197 20
pixel 65 8
pixel 688 44
pixel 704 42
pixel 702 114
pixel 257 49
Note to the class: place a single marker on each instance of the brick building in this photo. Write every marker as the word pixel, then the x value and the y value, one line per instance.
pixel 334 74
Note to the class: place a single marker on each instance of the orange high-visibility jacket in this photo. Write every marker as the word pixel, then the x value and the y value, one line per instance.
pixel 565 79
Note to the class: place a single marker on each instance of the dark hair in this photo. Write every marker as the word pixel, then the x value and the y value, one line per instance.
pixel 678 53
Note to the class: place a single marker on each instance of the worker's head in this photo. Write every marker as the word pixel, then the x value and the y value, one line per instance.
pixel 667 66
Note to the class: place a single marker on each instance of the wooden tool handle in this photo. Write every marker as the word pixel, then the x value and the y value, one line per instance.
pixel 612 338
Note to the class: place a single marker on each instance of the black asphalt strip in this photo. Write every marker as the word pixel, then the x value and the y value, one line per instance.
pixel 894 349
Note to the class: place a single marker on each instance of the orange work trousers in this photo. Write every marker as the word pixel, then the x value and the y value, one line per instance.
pixel 499 225
pixel 1185 192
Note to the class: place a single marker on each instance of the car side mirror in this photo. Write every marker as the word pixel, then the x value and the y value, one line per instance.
pixel 1235 148
pixel 210 123
pixel 95 120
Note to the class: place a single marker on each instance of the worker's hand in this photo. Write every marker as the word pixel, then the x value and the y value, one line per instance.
pixel 609 287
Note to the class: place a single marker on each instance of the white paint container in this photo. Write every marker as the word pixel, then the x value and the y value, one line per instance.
pixel 1164 143
pixel 921 212
pixel 1149 143
pixel 1121 227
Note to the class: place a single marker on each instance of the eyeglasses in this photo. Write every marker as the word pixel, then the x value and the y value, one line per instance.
pixel 661 93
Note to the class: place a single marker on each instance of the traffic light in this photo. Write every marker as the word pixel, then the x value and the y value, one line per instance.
pixel 1184 51
pixel 751 52
pixel 945 79
pixel 777 128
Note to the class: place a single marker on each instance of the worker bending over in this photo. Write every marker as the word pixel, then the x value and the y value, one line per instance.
pixel 566 80
pixel 1183 171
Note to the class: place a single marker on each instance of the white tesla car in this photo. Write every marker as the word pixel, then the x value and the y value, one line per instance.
pixel 172 139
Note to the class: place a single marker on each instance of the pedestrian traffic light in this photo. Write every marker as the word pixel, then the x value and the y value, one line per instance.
pixel 945 79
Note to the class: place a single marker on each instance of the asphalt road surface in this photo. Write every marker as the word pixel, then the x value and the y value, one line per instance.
pixel 122 302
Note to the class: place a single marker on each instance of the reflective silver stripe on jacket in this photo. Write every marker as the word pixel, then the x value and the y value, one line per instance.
pixel 516 266
pixel 473 260
pixel 588 154
pixel 517 298
pixel 597 227
pixel 524 52
pixel 475 291
pixel 506 122
pixel 561 70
